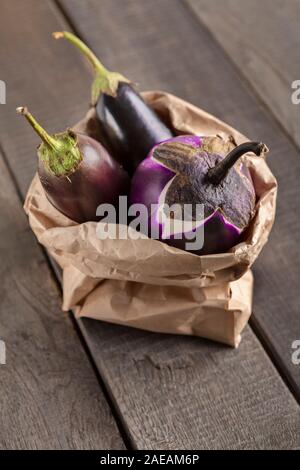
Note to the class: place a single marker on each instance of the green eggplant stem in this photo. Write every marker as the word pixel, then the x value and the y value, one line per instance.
pixel 105 81
pixel 99 68
pixel 46 138
pixel 216 174
pixel 59 153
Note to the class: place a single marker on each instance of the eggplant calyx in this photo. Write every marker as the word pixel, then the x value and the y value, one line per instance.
pixel 234 199
pixel 59 152
pixel 63 160
pixel 216 174
pixel 105 81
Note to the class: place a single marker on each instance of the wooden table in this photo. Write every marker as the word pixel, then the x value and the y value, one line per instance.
pixel 85 384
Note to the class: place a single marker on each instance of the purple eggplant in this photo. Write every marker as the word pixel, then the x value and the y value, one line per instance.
pixel 130 128
pixel 77 173
pixel 191 170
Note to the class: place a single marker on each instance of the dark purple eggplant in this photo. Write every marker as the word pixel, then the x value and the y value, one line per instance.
pixel 130 127
pixel 77 173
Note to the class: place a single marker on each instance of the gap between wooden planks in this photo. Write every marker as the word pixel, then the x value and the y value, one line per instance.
pixel 262 40
pixel 193 66
pixel 170 392
pixel 49 395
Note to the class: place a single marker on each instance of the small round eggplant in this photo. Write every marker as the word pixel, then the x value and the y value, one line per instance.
pixel 190 170
pixel 77 173
pixel 130 128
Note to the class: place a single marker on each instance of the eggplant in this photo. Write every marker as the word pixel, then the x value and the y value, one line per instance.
pixel 130 128
pixel 77 173
pixel 190 170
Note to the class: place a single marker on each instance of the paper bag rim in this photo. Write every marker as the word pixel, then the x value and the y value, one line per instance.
pixel 131 261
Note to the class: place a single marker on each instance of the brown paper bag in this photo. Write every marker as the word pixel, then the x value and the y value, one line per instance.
pixel 145 283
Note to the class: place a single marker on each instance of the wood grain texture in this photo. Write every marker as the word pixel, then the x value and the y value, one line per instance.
pixel 262 38
pixel 186 393
pixel 40 73
pixel 173 405
pixel 199 72
pixel 49 394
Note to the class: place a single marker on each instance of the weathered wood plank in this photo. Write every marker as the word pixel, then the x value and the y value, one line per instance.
pixel 186 393
pixel 220 381
pixel 262 38
pixel 198 71
pixel 49 394
pixel 182 392
pixel 52 84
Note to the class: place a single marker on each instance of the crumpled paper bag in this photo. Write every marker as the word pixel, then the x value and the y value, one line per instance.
pixel 145 283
